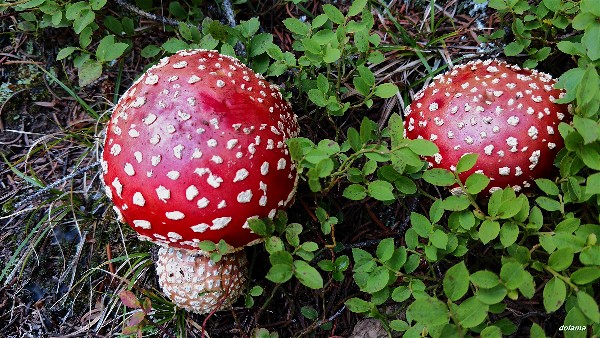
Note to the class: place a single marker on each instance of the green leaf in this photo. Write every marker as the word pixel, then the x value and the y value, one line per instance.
pixel 588 306
pixel 357 7
pixel 471 312
pixel 488 231
pixel 456 281
pixel 296 26
pixel 420 224
pixel 547 203
pixel 428 311
pixel 492 295
pixel 97 4
pixel 307 275
pixel 547 186
pixel 561 259
pixel 150 51
pixel 386 90
pixel 456 203
pixel 355 192
pixel 377 280
pixel 439 239
pixel 400 294
pixel 280 273
pixel 590 156
pixel 260 43
pixel 108 50
pixel 423 147
pixel 484 279
pixel 333 14
pixel 331 54
pixel 86 17
pixel 476 182
pixel 586 275
pixel 590 40
pixel 173 45
pixel 439 177
pixel 491 332
pixel 466 162
pixel 513 275
pixel 358 305
pixel 536 331
pixel 553 5
pixel 513 48
pixel 555 292
pixel 89 72
pixel 63 53
pixel 381 190
pixel 385 249
pixel 576 318
pixel 395 129
pixel 509 232
pixel 587 128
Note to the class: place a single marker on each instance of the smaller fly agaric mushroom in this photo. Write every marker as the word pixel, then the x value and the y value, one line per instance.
pixel 194 149
pixel 502 112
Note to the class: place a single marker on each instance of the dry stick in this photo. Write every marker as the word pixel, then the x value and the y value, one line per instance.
pixel 153 17
pixel 53 185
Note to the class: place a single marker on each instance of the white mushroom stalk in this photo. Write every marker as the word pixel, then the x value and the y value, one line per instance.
pixel 194 149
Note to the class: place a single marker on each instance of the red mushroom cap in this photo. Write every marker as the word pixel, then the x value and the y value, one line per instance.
pixel 196 147
pixel 503 112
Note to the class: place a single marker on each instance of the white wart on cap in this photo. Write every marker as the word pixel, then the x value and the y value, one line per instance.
pixel 502 112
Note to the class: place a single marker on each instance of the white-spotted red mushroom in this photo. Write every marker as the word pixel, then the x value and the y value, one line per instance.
pixel 194 149
pixel 502 112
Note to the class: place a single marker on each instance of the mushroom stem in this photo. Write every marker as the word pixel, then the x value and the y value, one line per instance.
pixel 196 283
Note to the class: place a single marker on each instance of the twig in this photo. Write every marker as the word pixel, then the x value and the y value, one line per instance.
pixel 53 185
pixel 153 17
pixel 228 9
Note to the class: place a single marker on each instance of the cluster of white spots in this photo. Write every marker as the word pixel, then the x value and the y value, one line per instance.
pixel 155 160
pixel 118 186
pixel 115 149
pixel 155 139
pixel 140 223
pixel 220 223
pixel 138 199
pixel 175 215
pixel 177 151
pixel 151 79
pixel 264 168
pixel 232 143
pixel 214 180
pixel 180 64
pixel 244 196
pixel 202 203
pixel 129 169
pixel 173 174
pixel 513 121
pixel 193 79
pixel 240 175
pixel 513 143
pixel 211 143
pixel 488 149
pixel 220 83
pixel 469 140
pixel 222 204
pixel 433 106
pixel 534 159
pixel 551 145
pixel 163 193
pixel 532 132
pixel 138 102
pixel 504 171
pixel 217 159
pixel 191 192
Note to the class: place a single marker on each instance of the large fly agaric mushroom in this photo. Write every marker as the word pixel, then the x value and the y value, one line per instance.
pixel 194 149
pixel 502 112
